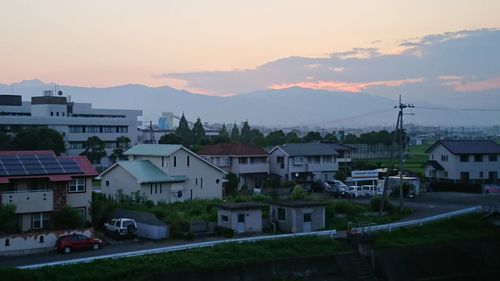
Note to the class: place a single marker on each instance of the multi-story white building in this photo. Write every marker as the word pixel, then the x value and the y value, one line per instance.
pixel 304 161
pixel 163 173
pixel 75 121
pixel 248 162
pixel 464 161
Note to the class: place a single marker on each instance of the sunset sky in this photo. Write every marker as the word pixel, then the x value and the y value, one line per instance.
pixel 115 42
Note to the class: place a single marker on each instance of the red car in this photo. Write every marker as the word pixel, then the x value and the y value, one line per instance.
pixel 68 243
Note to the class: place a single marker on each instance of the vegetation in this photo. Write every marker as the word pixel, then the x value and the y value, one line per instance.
pixel 36 139
pixel 298 193
pixel 122 145
pixel 8 219
pixel 151 267
pixel 94 149
pixel 67 218
pixel 459 228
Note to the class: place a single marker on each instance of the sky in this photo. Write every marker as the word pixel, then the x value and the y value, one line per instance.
pixel 227 47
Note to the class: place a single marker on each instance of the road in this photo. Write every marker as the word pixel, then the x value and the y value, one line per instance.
pixel 428 204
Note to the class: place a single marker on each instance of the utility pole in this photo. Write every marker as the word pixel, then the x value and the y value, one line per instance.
pixel 402 106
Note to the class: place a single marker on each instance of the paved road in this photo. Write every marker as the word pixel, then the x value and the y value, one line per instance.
pixel 428 204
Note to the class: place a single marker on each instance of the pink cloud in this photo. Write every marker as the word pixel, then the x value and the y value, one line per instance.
pixel 459 84
pixel 345 86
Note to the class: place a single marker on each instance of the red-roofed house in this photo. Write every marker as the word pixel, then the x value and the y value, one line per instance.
pixel 39 183
pixel 248 162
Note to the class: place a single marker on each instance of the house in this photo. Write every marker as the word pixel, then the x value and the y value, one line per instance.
pixel 466 161
pixel 298 216
pixel 39 183
pixel 248 162
pixel 75 121
pixel 163 173
pixel 245 217
pixel 344 157
pixel 304 161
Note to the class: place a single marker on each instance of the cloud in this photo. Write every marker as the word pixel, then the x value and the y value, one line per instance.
pixel 345 86
pixel 448 63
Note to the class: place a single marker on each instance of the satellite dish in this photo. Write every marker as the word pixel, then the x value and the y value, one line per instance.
pixel 60 93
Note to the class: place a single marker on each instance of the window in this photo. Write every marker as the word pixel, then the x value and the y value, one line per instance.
pixel 281 214
pixel 77 185
pixel 481 175
pixel 243 160
pixel 493 158
pixel 224 161
pixel 51 113
pixel 107 183
pixel 201 182
pixel 217 180
pixel 444 158
pixel 281 160
pixel 327 159
pixel 57 113
pixel 445 174
pixel 307 217
pixel 492 177
pixel 241 217
pixel 175 161
pixel 478 158
pixel 187 160
pixel 224 218
pixel 40 220
pixel 432 156
pixel 464 158
pixel 196 181
pixel 298 160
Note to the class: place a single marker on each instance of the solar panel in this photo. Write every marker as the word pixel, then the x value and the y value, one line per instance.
pixel 3 172
pixel 37 164
pixel 16 172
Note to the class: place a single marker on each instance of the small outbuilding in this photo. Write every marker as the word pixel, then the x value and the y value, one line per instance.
pixel 298 216
pixel 245 217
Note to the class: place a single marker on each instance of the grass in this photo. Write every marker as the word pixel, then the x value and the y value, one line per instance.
pixel 460 228
pixel 341 212
pixel 152 267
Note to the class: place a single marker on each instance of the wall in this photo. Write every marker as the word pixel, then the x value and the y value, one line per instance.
pixel 253 219
pixel 29 243
pixel 295 218
pixel 82 199
pixel 119 179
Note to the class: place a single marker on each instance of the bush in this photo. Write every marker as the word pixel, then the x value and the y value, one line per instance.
pixel 298 193
pixel 224 231
pixel 289 184
pixel 67 218
pixel 272 183
pixel 8 219
pixel 179 229
pixel 375 205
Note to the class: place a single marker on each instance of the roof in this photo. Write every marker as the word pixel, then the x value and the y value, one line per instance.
pixel 146 172
pixel 153 149
pixel 84 164
pixel 232 149
pixel 299 204
pixel 241 206
pixel 308 149
pixel 434 164
pixel 339 146
pixel 468 146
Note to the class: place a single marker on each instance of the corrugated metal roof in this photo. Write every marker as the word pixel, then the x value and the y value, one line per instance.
pixel 153 149
pixel 146 172
pixel 308 149
pixel 469 146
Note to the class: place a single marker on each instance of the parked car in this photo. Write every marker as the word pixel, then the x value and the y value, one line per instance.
pixel 121 228
pixel 68 243
pixel 354 191
pixel 338 188
pixel 320 186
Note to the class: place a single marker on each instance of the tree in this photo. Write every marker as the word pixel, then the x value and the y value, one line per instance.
pixel 184 133
pixel 67 218
pixel 331 137
pixel 170 139
pixel 231 185
pixel 122 145
pixel 5 141
pixel 94 149
pixel 199 136
pixel 312 136
pixel 223 136
pixel 276 138
pixel 246 134
pixel 235 134
pixel 39 139
pixel 350 139
pixel 292 137
pixel 257 138
pixel 8 219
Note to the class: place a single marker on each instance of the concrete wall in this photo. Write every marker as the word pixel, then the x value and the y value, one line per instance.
pixel 29 243
pixel 294 220
pixel 253 219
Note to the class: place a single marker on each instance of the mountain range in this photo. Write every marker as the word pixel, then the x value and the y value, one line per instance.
pixel 276 108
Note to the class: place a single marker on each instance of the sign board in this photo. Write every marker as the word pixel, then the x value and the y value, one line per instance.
pixel 364 175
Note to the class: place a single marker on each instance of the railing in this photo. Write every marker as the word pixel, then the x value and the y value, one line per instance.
pixel 29 201
pixel 389 227
pixel 184 247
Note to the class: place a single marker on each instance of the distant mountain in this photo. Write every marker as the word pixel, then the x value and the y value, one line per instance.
pixel 287 107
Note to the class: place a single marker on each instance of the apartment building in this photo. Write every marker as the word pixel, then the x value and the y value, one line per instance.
pixel 75 121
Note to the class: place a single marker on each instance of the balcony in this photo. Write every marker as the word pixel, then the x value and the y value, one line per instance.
pixel 321 167
pixel 253 168
pixel 30 201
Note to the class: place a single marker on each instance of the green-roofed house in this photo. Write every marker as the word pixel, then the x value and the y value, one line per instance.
pixel 163 173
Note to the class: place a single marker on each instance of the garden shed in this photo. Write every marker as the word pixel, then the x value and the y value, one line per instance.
pixel 298 216
pixel 245 217
pixel 148 225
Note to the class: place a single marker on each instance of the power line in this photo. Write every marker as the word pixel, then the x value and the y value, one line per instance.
pixel 463 109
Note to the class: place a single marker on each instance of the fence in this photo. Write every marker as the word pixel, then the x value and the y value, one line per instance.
pixel 396 225
pixel 176 248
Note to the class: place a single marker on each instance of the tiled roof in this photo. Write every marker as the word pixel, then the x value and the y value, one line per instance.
pixel 232 149
pixel 153 149
pixel 469 146
pixel 146 172
pixel 308 149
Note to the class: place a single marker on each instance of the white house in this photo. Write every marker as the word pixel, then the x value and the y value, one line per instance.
pixel 75 121
pixel 163 172
pixel 304 161
pixel 464 161
pixel 248 162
